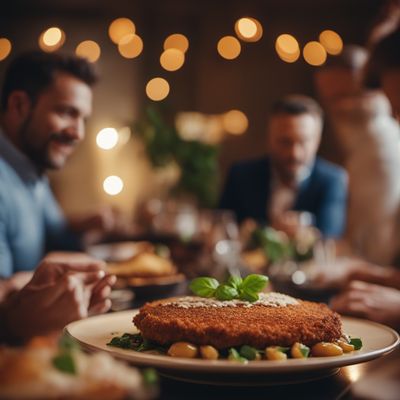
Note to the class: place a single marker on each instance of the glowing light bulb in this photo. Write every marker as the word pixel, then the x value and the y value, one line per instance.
pixel 107 138
pixel 113 185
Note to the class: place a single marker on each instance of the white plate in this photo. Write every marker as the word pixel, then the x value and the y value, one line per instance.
pixel 94 333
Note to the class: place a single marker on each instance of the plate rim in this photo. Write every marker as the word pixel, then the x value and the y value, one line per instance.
pixel 225 366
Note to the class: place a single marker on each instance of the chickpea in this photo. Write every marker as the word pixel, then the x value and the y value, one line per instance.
pixel 299 350
pixel 273 353
pixel 183 349
pixel 324 349
pixel 346 347
pixel 209 352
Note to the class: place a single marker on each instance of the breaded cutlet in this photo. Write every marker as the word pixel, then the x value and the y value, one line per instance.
pixel 257 325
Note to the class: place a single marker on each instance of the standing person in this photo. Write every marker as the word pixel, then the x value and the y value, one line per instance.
pixel 379 299
pixel 291 177
pixel 45 101
pixel 361 121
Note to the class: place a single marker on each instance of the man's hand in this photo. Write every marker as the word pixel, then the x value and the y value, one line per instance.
pixel 58 293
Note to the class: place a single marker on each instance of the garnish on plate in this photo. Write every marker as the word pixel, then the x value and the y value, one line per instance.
pixel 235 287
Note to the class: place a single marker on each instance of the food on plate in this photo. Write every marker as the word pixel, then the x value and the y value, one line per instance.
pixel 274 319
pixel 239 321
pixel 143 265
pixel 149 262
pixel 44 370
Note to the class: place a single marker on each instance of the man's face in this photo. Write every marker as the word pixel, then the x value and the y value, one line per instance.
pixel 56 122
pixel 391 87
pixel 293 142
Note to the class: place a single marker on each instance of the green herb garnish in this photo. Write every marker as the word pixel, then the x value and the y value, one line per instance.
pixel 204 286
pixel 135 342
pixel 235 281
pixel 356 342
pixel 248 352
pixel 226 292
pixel 64 362
pixel 235 356
pixel 234 288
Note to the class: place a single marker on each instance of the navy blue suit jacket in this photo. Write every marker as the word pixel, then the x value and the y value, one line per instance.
pixel 324 194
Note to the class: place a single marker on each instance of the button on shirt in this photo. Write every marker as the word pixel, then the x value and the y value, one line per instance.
pixel 31 221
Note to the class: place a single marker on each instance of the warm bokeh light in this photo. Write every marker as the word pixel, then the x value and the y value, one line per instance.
pixel 176 41
pixel 113 185
pixel 229 47
pixel 51 39
pixel 88 49
pixel 332 42
pixel 245 28
pixel 289 58
pixel 5 48
pixel 314 53
pixel 287 48
pixel 130 46
pixel 52 36
pixel 248 29
pixel 119 28
pixel 287 43
pixel 107 138
pixel 235 122
pixel 172 59
pixel 157 89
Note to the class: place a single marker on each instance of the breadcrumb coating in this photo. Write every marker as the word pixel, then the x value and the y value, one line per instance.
pixel 258 326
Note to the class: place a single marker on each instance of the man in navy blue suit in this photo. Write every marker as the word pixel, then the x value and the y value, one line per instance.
pixel 290 177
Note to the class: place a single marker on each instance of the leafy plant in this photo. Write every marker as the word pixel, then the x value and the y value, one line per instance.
pixel 197 161
pixel 277 246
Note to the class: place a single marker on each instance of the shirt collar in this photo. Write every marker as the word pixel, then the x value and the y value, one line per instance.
pixel 17 160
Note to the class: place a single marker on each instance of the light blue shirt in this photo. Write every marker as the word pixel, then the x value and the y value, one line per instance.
pixel 31 221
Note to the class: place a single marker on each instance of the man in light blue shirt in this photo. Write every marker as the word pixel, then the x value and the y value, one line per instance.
pixel 30 219
pixel 45 101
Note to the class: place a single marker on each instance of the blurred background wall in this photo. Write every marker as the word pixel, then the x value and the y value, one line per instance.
pixel 206 83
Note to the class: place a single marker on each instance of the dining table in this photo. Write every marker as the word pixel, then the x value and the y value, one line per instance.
pixel 378 379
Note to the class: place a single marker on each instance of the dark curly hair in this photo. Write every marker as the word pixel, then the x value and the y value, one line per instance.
pixel 33 71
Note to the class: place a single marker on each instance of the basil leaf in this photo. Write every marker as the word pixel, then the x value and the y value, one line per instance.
pixel 248 352
pixel 235 281
pixel 254 283
pixel 225 292
pixel 356 342
pixel 204 286
pixel 64 362
pixel 248 295
pixel 235 356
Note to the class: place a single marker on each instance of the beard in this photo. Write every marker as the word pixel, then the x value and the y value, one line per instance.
pixel 39 151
